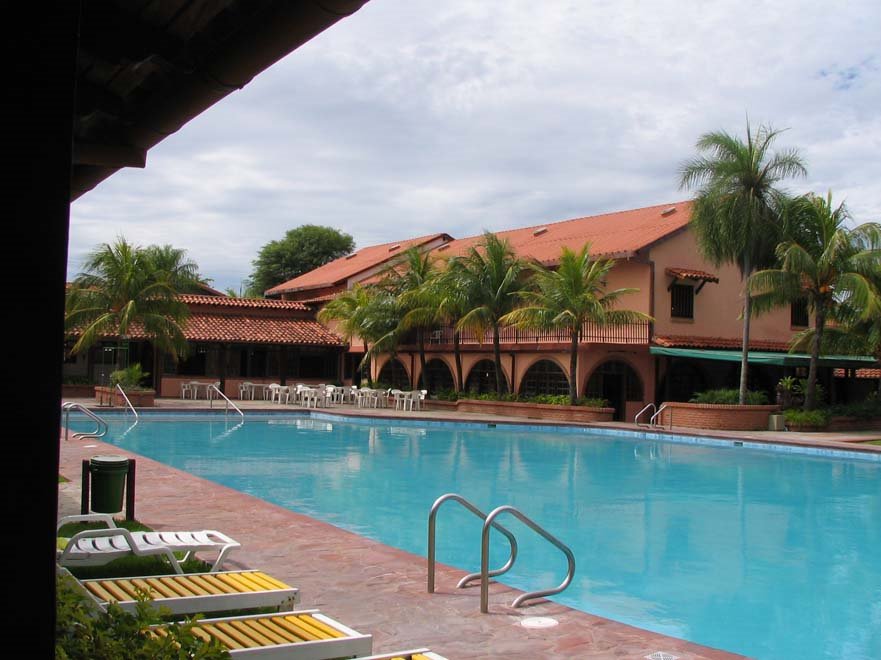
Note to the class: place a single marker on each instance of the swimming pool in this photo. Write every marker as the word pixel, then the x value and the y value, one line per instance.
pixel 769 554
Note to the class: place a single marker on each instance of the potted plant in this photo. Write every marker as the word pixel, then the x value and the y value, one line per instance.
pixel 129 379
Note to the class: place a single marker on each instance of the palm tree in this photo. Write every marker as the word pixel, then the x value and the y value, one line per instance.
pixel 181 272
pixel 736 208
pixel 452 304
pixel 120 289
pixel 570 296
pixel 366 312
pixel 825 263
pixel 411 281
pixel 489 276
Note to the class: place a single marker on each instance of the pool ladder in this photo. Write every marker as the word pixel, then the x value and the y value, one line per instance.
pixel 485 573
pixel 100 428
pixel 656 415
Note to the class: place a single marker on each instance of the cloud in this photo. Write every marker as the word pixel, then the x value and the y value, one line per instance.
pixel 412 117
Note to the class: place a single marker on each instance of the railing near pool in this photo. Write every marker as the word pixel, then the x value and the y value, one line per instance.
pixel 100 428
pixel 225 398
pixel 485 573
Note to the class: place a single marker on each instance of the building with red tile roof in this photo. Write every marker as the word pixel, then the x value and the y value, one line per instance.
pixel 695 306
pixel 340 274
pixel 231 340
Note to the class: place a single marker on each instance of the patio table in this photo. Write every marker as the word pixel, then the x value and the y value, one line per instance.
pixel 198 386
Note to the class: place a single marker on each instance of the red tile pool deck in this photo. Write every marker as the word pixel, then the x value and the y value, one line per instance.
pixel 369 586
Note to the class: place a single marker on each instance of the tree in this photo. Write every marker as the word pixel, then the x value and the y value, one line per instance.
pixel 489 276
pixel 182 272
pixel 452 304
pixel 302 249
pixel 367 312
pixel 735 214
pixel 122 288
pixel 411 281
pixel 825 263
pixel 570 296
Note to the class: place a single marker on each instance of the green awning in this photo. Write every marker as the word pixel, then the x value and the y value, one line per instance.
pixel 762 357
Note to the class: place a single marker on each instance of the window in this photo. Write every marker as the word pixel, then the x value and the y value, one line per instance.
pixel 798 313
pixel 682 301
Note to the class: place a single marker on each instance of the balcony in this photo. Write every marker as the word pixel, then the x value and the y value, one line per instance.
pixel 630 334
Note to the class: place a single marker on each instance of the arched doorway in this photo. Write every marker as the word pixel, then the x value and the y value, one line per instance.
pixel 482 378
pixel 617 383
pixel 544 377
pixel 394 375
pixel 438 376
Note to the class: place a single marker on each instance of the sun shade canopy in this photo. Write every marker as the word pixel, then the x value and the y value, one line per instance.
pixel 762 357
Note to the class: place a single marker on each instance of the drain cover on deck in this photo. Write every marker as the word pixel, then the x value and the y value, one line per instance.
pixel 538 622
pixel 660 655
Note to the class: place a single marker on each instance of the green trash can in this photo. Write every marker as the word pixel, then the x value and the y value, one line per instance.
pixel 108 482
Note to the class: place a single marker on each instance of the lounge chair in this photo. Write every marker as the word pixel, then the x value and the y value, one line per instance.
pixel 295 635
pixel 413 654
pixel 95 547
pixel 195 592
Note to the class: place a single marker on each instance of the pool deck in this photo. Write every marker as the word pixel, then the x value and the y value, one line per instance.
pixel 377 589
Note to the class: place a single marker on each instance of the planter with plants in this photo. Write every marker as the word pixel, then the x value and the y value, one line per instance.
pixel 76 387
pixel 806 420
pixel 542 406
pixel 719 410
pixel 129 380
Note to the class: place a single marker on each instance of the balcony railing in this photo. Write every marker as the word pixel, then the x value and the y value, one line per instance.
pixel 631 333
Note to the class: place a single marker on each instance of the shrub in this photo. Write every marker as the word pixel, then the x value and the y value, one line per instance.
pixel 868 409
pixel 446 395
pixel 730 397
pixel 810 418
pixel 129 378
pixel 76 380
pixel 84 633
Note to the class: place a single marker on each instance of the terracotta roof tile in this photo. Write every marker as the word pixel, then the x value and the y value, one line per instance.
pixel 692 274
pixel 860 373
pixel 684 341
pixel 259 330
pixel 249 329
pixel 254 303
pixel 341 269
pixel 617 234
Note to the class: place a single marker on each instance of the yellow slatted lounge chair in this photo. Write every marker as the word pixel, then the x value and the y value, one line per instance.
pixel 413 654
pixel 295 635
pixel 195 592
pixel 95 547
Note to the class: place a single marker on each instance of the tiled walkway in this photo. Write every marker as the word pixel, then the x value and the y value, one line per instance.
pixel 372 587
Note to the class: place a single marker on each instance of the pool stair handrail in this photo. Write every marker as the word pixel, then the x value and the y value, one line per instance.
pixel 225 398
pixel 100 428
pixel 649 406
pixel 432 524
pixel 484 558
pixel 657 415
pixel 125 396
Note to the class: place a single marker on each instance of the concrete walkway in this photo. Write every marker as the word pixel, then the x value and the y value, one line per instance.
pixel 374 588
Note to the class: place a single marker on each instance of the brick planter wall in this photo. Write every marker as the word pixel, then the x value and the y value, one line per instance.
pixel 77 391
pixel 717 416
pixel 537 410
pixel 111 396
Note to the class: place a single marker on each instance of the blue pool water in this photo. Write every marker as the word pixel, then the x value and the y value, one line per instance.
pixel 773 555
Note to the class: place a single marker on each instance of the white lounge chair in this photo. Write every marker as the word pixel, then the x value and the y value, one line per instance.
pixel 95 547
pixel 192 593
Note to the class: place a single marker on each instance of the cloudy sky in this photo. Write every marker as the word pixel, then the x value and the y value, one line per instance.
pixel 417 116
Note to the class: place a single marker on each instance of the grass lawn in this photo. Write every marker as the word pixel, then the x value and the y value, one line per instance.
pixel 874 442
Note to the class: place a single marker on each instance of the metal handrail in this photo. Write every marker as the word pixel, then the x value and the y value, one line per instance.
pixel 658 414
pixel 225 398
pixel 125 396
pixel 484 558
pixel 100 428
pixel 432 520
pixel 636 418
